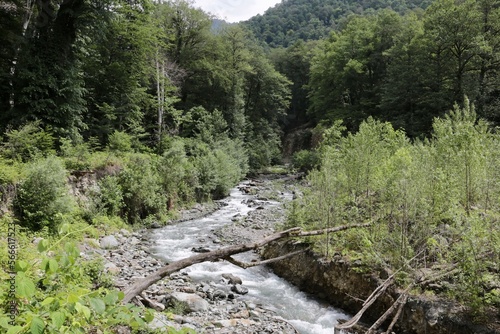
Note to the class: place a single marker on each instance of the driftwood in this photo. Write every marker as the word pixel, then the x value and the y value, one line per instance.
pixel 402 303
pixel 225 253
pixel 368 302
pixel 398 304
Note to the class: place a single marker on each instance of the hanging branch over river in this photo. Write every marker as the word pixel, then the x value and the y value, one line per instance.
pixel 226 253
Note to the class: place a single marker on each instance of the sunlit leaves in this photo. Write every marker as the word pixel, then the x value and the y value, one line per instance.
pixel 25 287
pixel 37 326
pixel 431 201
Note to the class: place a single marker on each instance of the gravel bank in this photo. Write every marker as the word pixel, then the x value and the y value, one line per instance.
pixel 202 306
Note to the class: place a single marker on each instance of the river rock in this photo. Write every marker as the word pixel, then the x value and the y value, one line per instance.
pixel 193 302
pixel 232 279
pixel 241 290
pixel 112 268
pixel 109 242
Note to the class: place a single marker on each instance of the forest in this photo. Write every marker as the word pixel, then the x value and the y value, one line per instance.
pixel 393 107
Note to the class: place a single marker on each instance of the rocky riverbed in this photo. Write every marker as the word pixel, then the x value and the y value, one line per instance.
pixel 204 307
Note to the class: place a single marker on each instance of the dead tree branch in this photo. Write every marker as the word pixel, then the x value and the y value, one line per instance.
pixel 398 303
pixel 398 313
pixel 368 302
pixel 246 265
pixel 223 253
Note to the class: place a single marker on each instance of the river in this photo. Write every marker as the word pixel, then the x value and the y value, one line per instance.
pixel 174 242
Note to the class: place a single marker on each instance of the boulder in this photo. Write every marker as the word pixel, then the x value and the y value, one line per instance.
pixel 193 302
pixel 109 242
pixel 111 268
pixel 232 279
pixel 241 290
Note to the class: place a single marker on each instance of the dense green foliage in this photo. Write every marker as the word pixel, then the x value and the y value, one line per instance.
pixel 432 203
pixel 42 197
pixel 59 292
pixel 84 70
pixel 293 20
pixel 409 69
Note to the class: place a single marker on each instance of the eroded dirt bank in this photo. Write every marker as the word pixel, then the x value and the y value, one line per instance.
pixel 338 283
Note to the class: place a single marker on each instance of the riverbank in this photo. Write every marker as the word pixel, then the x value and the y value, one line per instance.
pixel 204 307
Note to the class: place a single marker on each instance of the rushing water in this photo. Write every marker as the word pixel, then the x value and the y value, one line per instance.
pixel 175 242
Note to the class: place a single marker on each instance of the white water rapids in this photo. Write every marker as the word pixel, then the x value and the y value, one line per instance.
pixel 175 242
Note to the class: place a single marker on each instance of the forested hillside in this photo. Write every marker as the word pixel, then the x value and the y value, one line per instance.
pixel 292 20
pixel 405 69
pixel 86 69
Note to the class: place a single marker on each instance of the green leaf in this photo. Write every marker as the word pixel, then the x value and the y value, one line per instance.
pixel 58 319
pixel 121 295
pixel 4 322
pixel 37 326
pixel 53 265
pixel 97 305
pixel 111 298
pixel 73 298
pixel 47 301
pixel 64 228
pixel 149 316
pixel 21 266
pixel 24 286
pixel 45 264
pixel 43 245
pixel 82 309
pixel 15 330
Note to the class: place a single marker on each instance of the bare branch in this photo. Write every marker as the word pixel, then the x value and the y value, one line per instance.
pixel 368 302
pixel 246 265
pixel 222 253
pixel 400 301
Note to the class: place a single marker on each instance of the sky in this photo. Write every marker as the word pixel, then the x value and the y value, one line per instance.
pixel 235 10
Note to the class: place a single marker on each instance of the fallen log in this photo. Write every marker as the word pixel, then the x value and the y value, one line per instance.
pixel 224 253
pixel 368 302
pixel 398 304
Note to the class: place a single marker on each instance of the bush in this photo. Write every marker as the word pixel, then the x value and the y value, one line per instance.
pixel 120 142
pixel 306 160
pixel 43 195
pixel 9 172
pixel 217 170
pixel 177 173
pixel 28 143
pixel 76 155
pixel 142 192
pixel 109 198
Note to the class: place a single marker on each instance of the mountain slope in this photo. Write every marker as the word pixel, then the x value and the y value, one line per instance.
pixel 291 20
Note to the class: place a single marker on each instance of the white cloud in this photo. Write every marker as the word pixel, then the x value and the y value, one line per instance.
pixel 235 10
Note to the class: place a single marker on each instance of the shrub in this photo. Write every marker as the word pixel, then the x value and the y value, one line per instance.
pixel 217 169
pixel 28 143
pixel 120 142
pixel 142 192
pixel 9 172
pixel 109 199
pixel 177 173
pixel 305 160
pixel 43 194
pixel 76 154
